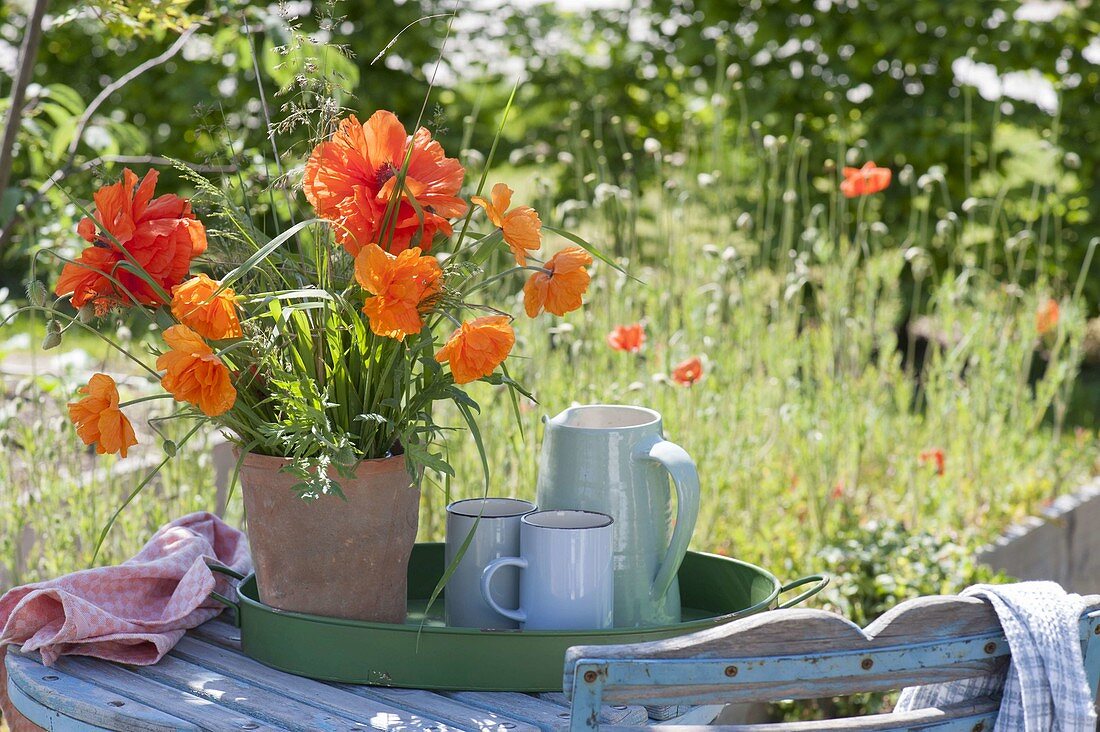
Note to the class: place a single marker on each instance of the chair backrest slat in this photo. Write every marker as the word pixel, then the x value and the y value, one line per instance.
pixel 804 654
pixel 963 717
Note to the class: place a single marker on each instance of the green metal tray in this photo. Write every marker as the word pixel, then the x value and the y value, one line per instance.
pixel 429 655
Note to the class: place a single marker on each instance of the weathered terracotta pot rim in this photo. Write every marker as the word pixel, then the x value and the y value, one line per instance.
pixel 391 463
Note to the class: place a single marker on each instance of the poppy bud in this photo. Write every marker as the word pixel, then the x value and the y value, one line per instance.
pixel 53 335
pixel 36 292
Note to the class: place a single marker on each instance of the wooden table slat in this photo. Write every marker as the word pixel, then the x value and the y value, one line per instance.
pixel 225 634
pixel 513 703
pixel 614 713
pixel 86 702
pixel 194 709
pixel 44 716
pixel 248 698
pixel 547 713
pixel 317 693
pixel 455 713
pixel 206 682
pixel 463 716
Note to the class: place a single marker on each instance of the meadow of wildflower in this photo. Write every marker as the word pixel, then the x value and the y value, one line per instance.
pixel 909 355
pixel 816 392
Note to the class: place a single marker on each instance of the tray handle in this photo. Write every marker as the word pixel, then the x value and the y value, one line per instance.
pixel 819 580
pixel 222 569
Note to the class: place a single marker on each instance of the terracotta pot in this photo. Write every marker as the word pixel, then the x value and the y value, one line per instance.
pixel 331 556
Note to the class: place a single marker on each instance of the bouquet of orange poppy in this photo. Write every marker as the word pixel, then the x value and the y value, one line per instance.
pixel 327 344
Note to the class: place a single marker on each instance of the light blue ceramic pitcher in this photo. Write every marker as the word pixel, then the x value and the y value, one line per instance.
pixel 615 460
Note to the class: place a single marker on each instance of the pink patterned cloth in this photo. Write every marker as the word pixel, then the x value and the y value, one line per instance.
pixel 135 612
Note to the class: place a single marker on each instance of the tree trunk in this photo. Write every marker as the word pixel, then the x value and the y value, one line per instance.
pixel 25 71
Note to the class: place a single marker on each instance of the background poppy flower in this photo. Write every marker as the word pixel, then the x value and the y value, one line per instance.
pixel 688 372
pixel 560 287
pixel 401 287
pixel 162 235
pixel 98 419
pixel 195 375
pixel 521 227
pixel 865 181
pixel 350 179
pixel 936 457
pixel 629 338
pixel 213 316
pixel 1046 318
pixel 478 347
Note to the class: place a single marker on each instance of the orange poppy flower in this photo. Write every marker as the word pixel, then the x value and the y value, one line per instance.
pixel 864 181
pixel 349 180
pixel 935 457
pixel 195 374
pixel 403 286
pixel 688 372
pixel 628 338
pixel 213 316
pixel 1046 318
pixel 521 226
pixel 478 347
pixel 560 287
pixel 98 419
pixel 161 234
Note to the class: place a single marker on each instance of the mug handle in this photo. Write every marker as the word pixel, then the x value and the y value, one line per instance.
pixel 681 468
pixel 487 579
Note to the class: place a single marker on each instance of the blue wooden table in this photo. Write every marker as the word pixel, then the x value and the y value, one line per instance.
pixel 207 683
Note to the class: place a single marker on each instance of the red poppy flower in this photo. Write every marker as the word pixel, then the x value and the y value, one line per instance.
pixel 478 347
pixel 560 285
pixel 934 457
pixel 350 180
pixel 161 234
pixel 629 338
pixel 98 419
pixel 865 181
pixel 688 372
pixel 1046 318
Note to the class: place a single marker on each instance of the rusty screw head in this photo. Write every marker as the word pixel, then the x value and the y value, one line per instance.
pixel 990 647
pixel 978 727
pixel 866 664
pixel 731 671
pixel 590 677
pixel 1096 630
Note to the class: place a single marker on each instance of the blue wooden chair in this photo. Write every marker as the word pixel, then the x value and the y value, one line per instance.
pixel 805 654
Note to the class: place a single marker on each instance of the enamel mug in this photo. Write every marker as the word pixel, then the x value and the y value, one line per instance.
pixel 615 459
pixel 495 523
pixel 566 577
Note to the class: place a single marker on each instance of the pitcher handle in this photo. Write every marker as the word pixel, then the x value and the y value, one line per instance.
pixel 681 468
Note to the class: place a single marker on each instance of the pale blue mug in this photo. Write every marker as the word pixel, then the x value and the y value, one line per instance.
pixel 566 576
pixel 495 523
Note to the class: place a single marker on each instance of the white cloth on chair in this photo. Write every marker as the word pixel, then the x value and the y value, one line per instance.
pixel 1044 687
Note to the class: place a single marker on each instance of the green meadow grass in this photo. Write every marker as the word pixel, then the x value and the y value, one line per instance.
pixel 807 423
